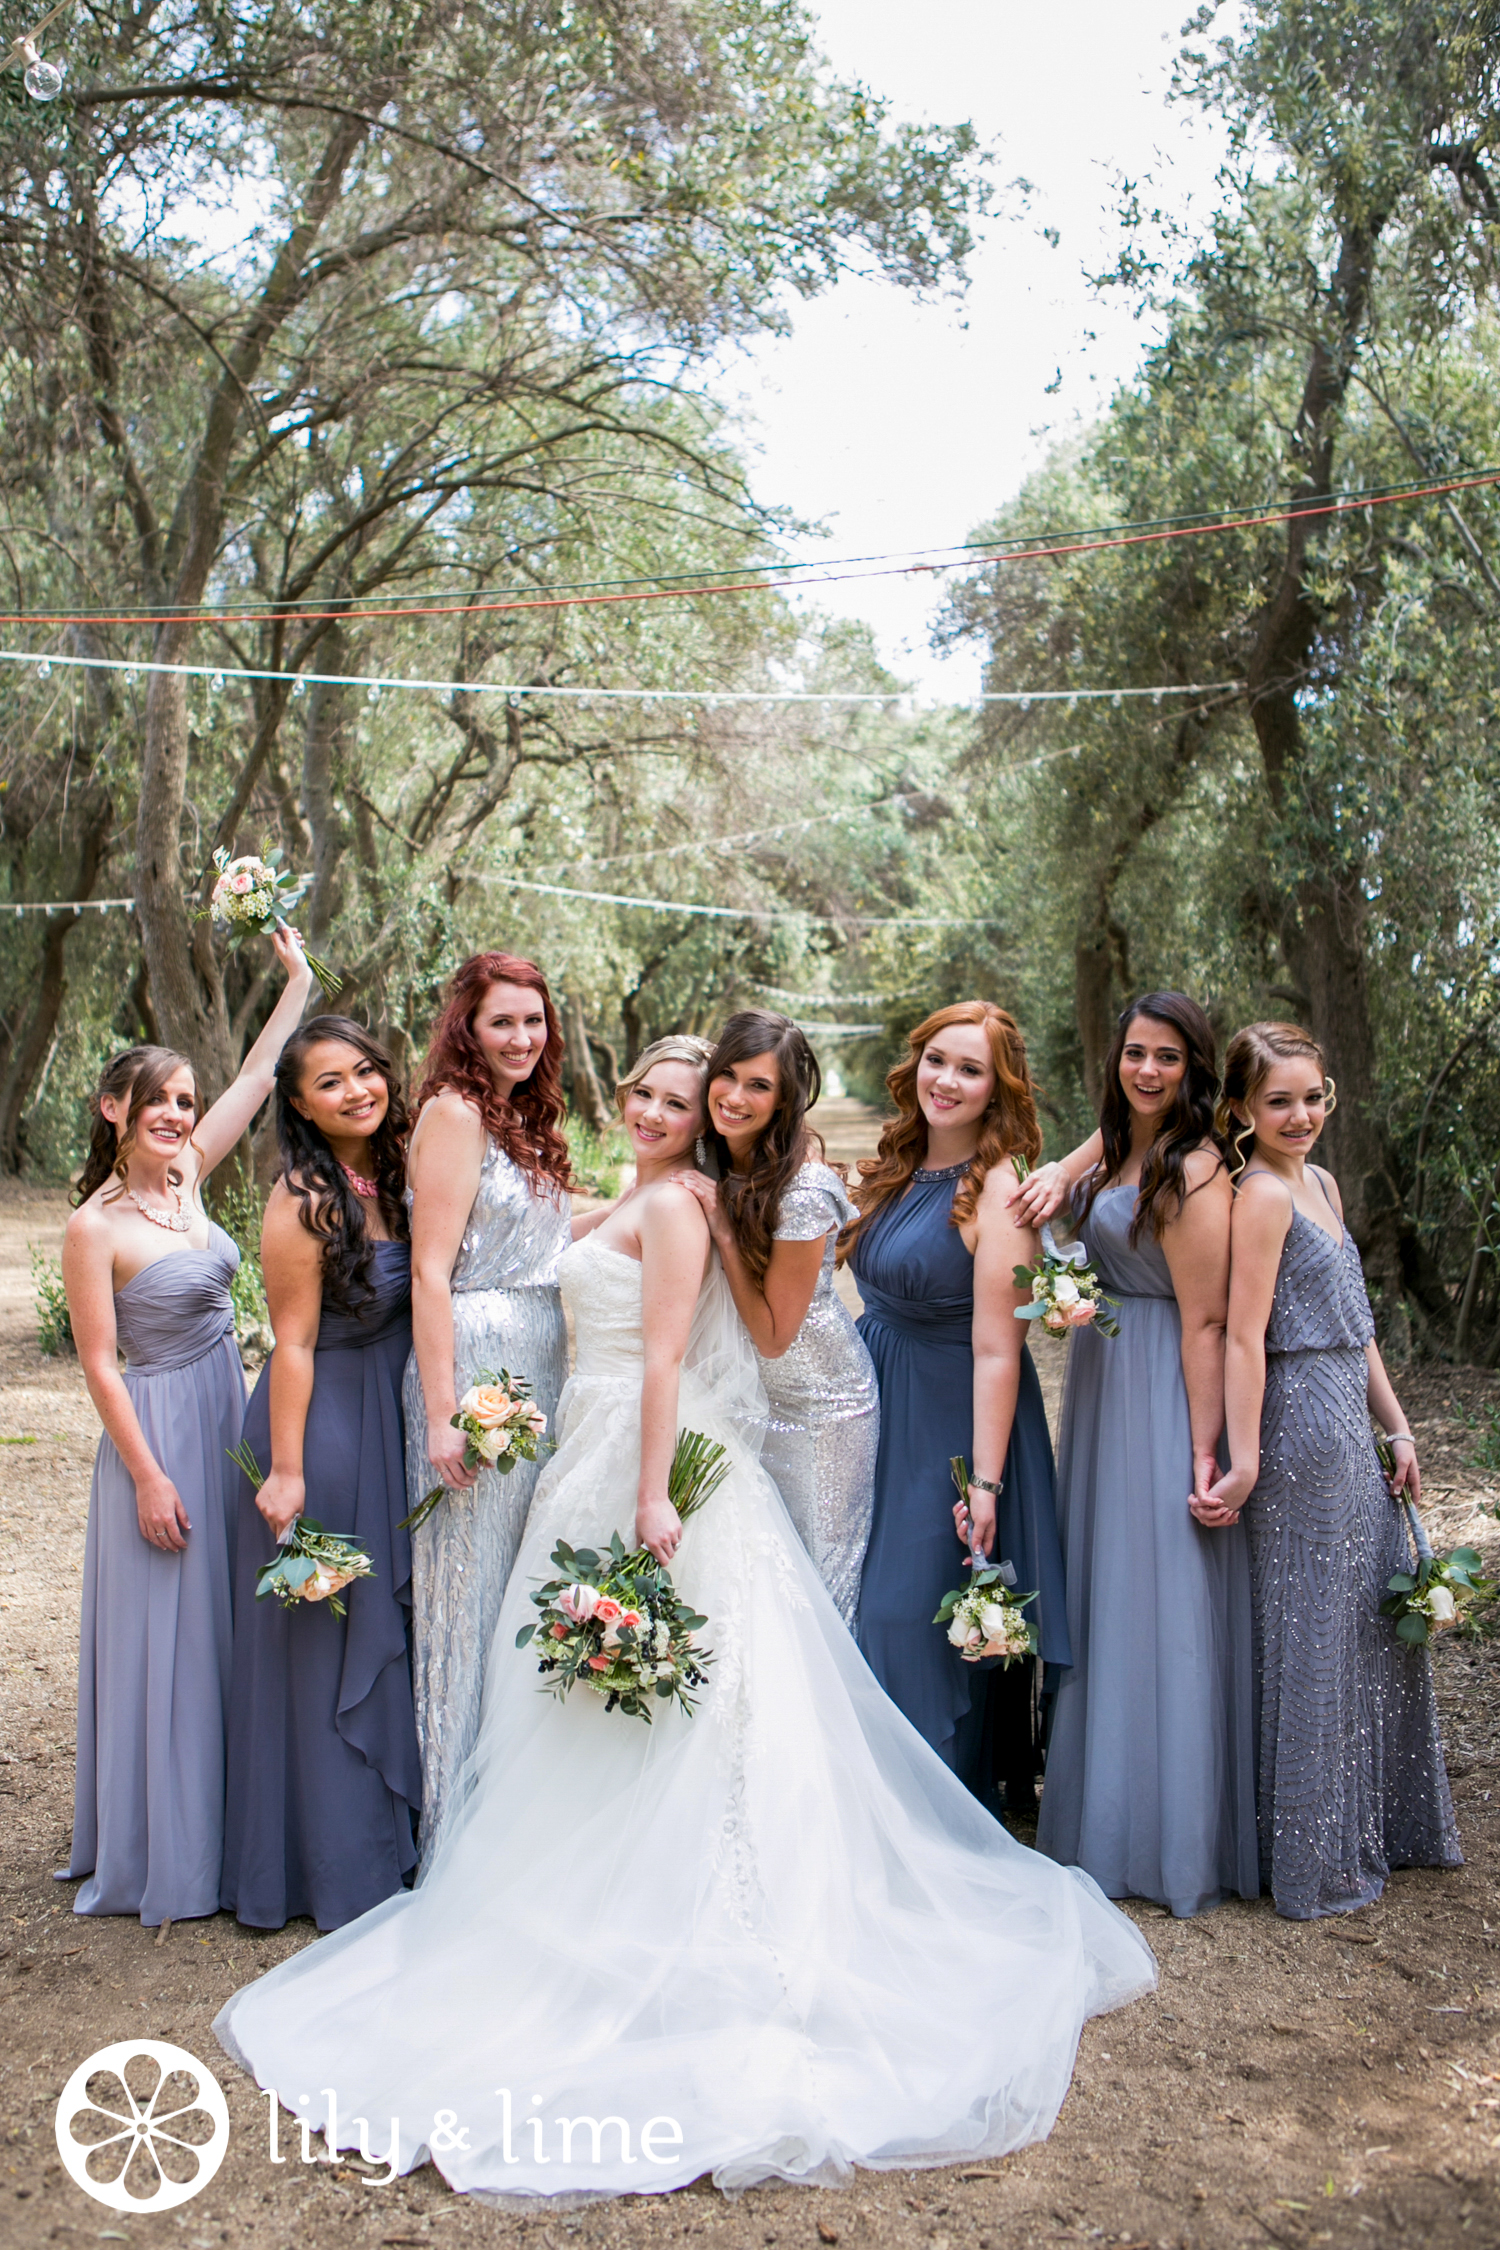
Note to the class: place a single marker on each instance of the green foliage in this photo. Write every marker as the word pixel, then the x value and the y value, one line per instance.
pixel 54 1325
pixel 239 1210
pixel 1485 1454
pixel 597 1157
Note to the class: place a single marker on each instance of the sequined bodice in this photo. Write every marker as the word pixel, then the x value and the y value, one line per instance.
pixel 516 1231
pixel 1320 1302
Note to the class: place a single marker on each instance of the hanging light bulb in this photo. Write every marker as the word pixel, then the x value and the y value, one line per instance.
pixel 216 684
pixel 43 80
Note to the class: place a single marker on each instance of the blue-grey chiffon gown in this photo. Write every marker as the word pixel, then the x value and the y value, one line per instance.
pixel 324 1778
pixel 1151 1767
pixel 917 1281
pixel 1352 1780
pixel 155 1646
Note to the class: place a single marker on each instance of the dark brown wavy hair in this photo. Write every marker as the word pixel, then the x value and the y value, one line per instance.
pixel 1249 1059
pixel 330 1209
pixel 753 1199
pixel 526 1123
pixel 1009 1126
pixel 140 1073
pixel 1163 1189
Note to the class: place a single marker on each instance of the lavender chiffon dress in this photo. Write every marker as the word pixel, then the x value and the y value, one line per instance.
pixel 155 1645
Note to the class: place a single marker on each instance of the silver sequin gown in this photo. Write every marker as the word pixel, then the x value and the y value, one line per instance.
pixel 1351 1780
pixel 824 1426
pixel 506 1313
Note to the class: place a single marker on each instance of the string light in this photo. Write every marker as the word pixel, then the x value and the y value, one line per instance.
pixel 43 80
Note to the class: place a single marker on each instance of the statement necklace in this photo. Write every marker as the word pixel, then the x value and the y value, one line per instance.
pixel 370 1189
pixel 175 1222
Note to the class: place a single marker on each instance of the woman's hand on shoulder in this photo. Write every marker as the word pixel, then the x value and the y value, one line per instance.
pixel 706 1193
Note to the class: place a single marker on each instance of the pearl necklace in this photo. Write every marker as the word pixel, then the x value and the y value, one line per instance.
pixel 370 1189
pixel 175 1222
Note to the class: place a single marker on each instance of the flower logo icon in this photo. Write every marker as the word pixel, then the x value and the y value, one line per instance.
pixel 142 2126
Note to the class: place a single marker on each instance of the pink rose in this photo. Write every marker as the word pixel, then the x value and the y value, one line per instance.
pixel 1082 1313
pixel 579 1603
pixel 598 1663
pixel 632 1618
pixel 607 1610
pixel 1056 1320
pixel 240 884
pixel 559 1632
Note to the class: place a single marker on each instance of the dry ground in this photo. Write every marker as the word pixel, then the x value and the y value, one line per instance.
pixel 1335 2083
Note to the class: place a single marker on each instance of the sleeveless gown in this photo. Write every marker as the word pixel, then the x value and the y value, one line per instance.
pixel 324 1780
pixel 506 1313
pixel 1151 1768
pixel 157 1632
pixel 824 1423
pixel 773 1939
pixel 917 1281
pixel 1352 1780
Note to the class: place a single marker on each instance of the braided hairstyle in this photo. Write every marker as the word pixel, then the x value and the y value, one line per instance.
pixel 330 1209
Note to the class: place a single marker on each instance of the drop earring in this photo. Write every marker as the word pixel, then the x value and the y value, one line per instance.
pixel 700 1150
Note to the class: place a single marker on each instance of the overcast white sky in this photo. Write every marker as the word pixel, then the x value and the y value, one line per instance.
pixel 899 424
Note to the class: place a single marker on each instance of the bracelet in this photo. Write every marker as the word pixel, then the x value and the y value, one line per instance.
pixel 1401 1437
pixel 983 1484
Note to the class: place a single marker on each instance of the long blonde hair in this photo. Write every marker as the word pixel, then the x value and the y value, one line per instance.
pixel 1251 1057
pixel 678 1046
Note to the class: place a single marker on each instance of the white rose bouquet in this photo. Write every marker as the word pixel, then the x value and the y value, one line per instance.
pixel 502 1424
pixel 983 1617
pixel 1065 1290
pixel 615 1623
pixel 254 896
pixel 310 1564
pixel 1441 1590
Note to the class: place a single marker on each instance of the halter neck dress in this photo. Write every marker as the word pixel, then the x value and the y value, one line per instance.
pixel 156 1640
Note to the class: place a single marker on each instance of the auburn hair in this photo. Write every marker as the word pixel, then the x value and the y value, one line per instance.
pixel 135 1076
pixel 1249 1060
pixel 1008 1128
pixel 753 1199
pixel 328 1205
pixel 527 1122
pixel 1164 1186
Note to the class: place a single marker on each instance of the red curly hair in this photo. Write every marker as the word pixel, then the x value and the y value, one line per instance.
pixel 526 1122
pixel 1009 1126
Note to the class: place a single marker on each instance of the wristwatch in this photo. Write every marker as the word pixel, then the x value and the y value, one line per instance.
pixel 983 1484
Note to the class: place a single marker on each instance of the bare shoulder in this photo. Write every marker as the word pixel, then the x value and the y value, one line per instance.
pixel 283 1228
pixel 451 1121
pixel 1000 1182
pixel 671 1211
pixel 1202 1166
pixel 1262 1208
pixel 1330 1187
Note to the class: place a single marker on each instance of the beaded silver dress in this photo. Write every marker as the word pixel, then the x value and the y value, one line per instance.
pixel 1352 1781
pixel 507 1312
pixel 824 1427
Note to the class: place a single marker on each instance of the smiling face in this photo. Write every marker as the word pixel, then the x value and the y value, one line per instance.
pixel 1288 1109
pixel 664 1112
pixel 742 1100
pixel 956 1077
pixel 341 1091
pixel 165 1122
pixel 510 1025
pixel 1152 1068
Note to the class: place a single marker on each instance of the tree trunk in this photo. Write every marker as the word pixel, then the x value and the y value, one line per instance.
pixel 588 1097
pixel 35 1043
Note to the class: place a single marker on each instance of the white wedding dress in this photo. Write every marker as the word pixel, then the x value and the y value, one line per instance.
pixel 776 1939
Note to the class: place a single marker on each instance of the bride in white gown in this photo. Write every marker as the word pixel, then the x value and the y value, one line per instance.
pixel 775 1939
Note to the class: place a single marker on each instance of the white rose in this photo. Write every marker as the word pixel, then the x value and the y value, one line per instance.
pixel 1441 1607
pixel 1039 1288
pixel 994 1621
pixel 492 1445
pixel 958 1630
pixel 1065 1290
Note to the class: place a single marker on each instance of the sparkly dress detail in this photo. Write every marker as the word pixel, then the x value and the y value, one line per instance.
pixel 1352 1781
pixel 824 1424
pixel 506 1313
pixel 1151 1767
pixel 777 1930
pixel 157 1641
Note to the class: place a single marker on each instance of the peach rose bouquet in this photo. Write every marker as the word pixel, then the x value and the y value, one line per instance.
pixel 310 1564
pixel 502 1424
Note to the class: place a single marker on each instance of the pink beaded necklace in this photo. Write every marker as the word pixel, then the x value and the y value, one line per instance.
pixel 370 1189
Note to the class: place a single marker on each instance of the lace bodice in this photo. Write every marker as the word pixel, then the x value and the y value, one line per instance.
pixel 602 1291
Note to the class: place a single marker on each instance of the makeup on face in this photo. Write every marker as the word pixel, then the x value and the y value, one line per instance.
pixel 165 1123
pixel 341 1091
pixel 664 1112
pixel 1290 1108
pixel 742 1099
pixel 955 1076
pixel 1153 1066
pixel 510 1025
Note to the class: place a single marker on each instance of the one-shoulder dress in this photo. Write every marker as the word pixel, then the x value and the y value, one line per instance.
pixel 324 1779
pixel 1151 1767
pixel 1352 1781
pixel 917 1280
pixel 824 1422
pixel 507 1313
pixel 157 1634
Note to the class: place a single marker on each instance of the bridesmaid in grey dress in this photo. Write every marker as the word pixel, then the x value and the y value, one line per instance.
pixel 148 1273
pixel 1352 1781
pixel 1150 1777
pixel 775 1219
pixel 490 1216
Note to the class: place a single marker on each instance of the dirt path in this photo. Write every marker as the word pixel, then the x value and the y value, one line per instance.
pixel 1327 2084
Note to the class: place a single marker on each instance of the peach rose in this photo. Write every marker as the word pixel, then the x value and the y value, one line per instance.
pixel 607 1610
pixel 489 1405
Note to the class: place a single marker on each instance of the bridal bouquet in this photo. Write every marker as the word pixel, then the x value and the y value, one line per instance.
pixel 983 1617
pixel 1442 1589
pixel 310 1564
pixel 502 1424
pixel 1065 1290
pixel 615 1623
pixel 254 896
